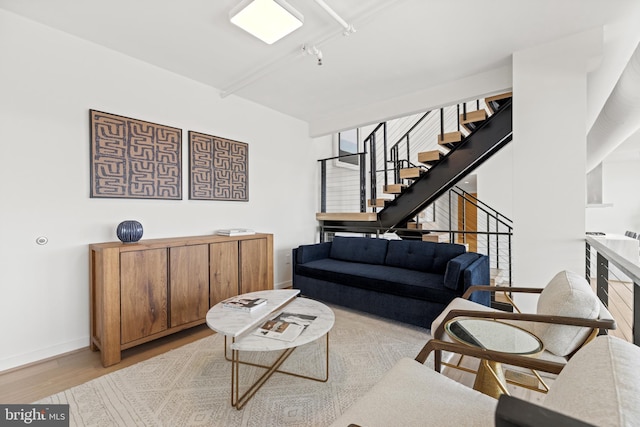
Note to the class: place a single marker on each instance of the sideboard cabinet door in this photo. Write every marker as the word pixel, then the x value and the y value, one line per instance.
pixel 253 266
pixel 224 271
pixel 188 283
pixel 143 293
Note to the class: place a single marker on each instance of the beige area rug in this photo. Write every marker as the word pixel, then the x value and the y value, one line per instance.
pixel 190 386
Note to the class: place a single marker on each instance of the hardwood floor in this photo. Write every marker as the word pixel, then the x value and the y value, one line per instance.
pixel 30 383
pixel 621 307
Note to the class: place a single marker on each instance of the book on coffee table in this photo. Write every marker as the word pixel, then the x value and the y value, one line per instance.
pixel 285 326
pixel 243 304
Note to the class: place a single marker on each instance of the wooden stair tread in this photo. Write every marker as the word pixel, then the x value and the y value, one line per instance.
pixel 430 156
pixel 377 203
pixel 429 225
pixel 498 278
pixel 394 188
pixel 491 99
pixel 435 237
pixel 473 116
pixel 449 137
pixel 346 216
pixel 408 173
pixel 499 97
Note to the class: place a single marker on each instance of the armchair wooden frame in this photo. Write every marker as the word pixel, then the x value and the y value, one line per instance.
pixel 437 345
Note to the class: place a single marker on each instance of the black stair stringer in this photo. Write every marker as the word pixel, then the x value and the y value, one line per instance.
pixel 493 134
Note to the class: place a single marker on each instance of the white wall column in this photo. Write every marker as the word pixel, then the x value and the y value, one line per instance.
pixel 549 158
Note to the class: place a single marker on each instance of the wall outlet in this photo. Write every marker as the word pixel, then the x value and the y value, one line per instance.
pixel 287 259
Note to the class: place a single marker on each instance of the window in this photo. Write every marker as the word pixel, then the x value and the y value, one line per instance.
pixel 348 144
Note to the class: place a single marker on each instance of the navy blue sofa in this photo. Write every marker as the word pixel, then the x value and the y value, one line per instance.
pixel 409 281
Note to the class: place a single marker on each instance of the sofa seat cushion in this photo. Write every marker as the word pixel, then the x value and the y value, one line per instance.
pixel 412 394
pixel 600 384
pixel 422 256
pixel 359 249
pixel 390 280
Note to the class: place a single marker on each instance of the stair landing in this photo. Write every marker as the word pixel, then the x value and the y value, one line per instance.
pixel 346 216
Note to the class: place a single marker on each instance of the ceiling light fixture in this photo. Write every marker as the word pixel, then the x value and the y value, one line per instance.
pixel 268 20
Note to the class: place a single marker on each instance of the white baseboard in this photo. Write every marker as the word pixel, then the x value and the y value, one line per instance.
pixel 283 285
pixel 42 354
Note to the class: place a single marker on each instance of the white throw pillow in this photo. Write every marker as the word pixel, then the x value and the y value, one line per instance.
pixel 567 294
pixel 600 384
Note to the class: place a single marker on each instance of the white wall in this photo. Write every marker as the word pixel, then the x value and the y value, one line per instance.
pixel 495 181
pixel 549 158
pixel 618 178
pixel 48 82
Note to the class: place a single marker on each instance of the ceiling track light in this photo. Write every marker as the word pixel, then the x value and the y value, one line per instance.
pixel 312 50
pixel 278 63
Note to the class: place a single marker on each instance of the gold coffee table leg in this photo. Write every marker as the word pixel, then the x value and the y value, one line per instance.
pixel 490 379
pixel 238 401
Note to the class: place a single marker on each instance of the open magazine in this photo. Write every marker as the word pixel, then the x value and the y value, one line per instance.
pixel 286 326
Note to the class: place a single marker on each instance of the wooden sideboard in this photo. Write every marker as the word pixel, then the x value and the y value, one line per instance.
pixel 146 290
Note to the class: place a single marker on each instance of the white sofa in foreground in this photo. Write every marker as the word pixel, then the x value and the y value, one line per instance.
pixel 600 385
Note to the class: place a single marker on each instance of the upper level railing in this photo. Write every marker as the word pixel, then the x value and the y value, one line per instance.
pixel 617 283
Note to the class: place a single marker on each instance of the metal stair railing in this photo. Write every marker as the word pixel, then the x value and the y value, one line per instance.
pixel 385 159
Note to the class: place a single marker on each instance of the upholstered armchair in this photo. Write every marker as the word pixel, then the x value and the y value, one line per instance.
pixel 569 314
pixel 599 387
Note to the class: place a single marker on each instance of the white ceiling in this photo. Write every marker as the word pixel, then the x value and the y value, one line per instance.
pixel 399 46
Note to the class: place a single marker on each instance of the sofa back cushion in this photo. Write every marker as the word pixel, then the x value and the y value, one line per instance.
pixel 359 249
pixel 567 294
pixel 421 256
pixel 600 384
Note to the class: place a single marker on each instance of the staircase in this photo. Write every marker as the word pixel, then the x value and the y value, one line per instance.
pixel 481 133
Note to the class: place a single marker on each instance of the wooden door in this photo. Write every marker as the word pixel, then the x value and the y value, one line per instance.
pixel 188 283
pixel 223 264
pixel 143 293
pixel 253 265
pixel 468 221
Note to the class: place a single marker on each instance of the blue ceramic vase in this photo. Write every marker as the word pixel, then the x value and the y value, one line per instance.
pixel 129 231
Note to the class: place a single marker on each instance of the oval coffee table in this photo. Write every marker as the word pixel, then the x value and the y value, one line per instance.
pixel 239 326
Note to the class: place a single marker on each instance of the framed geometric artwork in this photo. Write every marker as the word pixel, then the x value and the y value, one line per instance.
pixel 218 167
pixel 134 159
